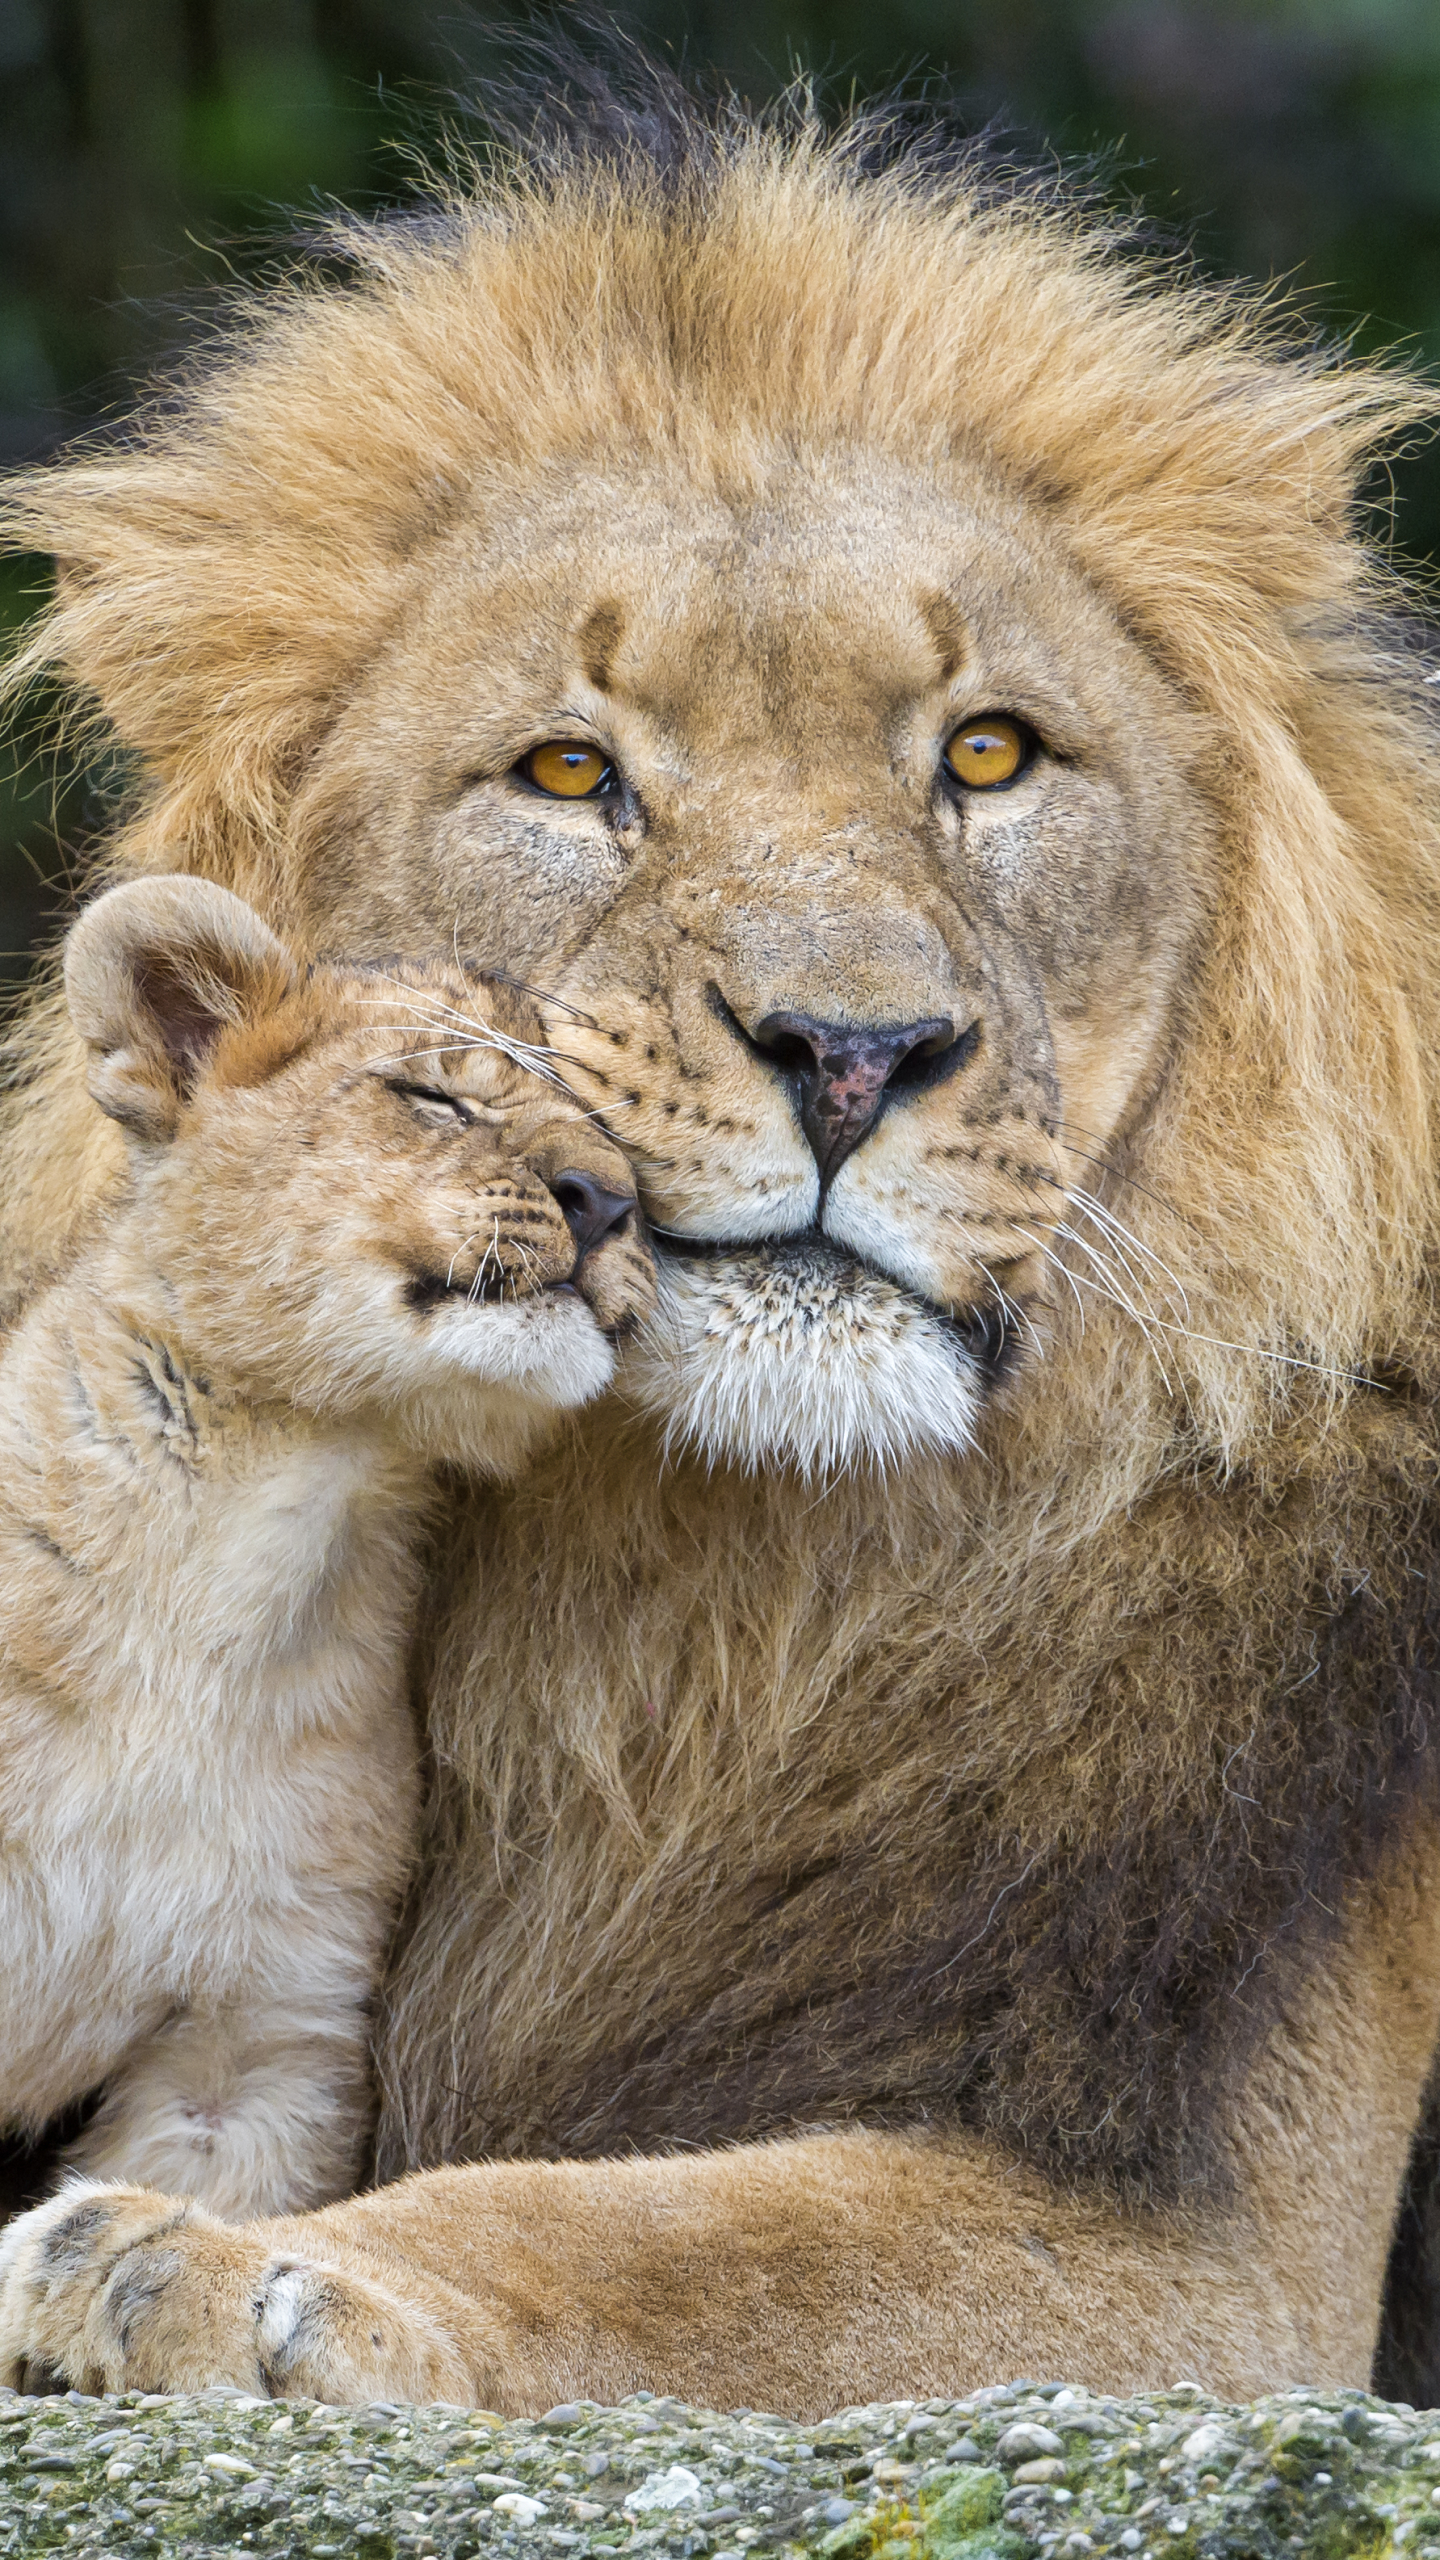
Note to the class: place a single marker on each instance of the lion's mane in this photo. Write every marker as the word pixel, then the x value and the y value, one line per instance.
pixel 989 1788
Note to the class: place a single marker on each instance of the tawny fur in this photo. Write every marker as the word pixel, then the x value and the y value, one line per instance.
pixel 1029 1763
pixel 219 1437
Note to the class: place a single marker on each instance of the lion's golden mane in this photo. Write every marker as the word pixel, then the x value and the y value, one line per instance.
pixel 1193 1594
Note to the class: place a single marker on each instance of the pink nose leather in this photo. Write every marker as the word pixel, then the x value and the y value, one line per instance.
pixel 841 1072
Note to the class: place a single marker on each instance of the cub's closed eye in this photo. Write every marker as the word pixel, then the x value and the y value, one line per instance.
pixel 567 769
pixel 986 753
pixel 430 1102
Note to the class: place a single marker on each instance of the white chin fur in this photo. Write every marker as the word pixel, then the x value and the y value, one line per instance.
pixel 482 1386
pixel 551 1348
pixel 804 1360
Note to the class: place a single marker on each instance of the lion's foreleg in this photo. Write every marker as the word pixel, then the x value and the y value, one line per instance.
pixel 797 2275
pixel 803 2274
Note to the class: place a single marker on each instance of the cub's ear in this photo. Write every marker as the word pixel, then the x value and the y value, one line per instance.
pixel 154 971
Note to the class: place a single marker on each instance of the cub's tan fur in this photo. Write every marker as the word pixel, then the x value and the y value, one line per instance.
pixel 337 1263
pixel 947 1745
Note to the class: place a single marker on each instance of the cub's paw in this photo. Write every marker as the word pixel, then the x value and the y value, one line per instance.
pixel 116 2289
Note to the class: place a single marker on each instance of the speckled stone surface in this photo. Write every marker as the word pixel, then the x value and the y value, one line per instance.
pixel 1026 2469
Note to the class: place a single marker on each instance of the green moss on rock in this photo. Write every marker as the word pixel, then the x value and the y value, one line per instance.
pixel 1169 2476
pixel 958 2504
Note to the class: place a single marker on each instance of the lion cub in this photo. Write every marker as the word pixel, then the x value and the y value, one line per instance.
pixel 362 1235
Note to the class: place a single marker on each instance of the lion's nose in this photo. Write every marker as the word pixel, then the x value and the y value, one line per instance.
pixel 841 1072
pixel 591 1212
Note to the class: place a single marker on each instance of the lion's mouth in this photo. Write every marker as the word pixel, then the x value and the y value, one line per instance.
pixel 984 1331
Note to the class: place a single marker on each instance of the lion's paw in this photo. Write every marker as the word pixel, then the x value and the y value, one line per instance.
pixel 117 2289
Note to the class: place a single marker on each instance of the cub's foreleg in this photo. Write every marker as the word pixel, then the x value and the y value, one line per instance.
pixel 254 2093
pixel 250 2109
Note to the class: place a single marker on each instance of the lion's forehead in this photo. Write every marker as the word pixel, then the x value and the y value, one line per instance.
pixel 843 583
pixel 772 661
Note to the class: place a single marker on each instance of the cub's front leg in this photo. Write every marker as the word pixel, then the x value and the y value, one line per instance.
pixel 250 2107
pixel 120 2289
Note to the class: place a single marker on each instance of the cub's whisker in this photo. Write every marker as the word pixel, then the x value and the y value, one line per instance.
pixel 477 1285
pixel 478 1034
pixel 528 1259
pixel 455 1256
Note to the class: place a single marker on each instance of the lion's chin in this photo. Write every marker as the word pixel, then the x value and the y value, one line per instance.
pixel 802 1358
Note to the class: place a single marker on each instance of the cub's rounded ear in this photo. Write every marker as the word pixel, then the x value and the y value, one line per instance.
pixel 154 971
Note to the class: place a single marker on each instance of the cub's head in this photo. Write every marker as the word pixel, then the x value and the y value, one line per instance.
pixel 356 1188
pixel 901 682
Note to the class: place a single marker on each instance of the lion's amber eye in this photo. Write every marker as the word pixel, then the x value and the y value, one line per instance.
pixel 985 752
pixel 566 769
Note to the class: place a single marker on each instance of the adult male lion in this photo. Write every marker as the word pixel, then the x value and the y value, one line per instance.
pixel 904 682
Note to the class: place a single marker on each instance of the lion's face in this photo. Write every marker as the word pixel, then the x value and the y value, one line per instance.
pixel 863 1028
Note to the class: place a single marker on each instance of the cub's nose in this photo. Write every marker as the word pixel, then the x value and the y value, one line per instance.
pixel 592 1212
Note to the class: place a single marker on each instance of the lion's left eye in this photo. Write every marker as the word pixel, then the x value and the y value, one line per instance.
pixel 988 752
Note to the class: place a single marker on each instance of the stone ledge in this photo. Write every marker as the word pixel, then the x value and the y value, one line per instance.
pixel 1015 2473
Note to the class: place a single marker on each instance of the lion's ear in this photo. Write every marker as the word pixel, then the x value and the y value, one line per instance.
pixel 154 971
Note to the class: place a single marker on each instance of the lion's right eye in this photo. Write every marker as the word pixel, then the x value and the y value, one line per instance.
pixel 567 769
pixel 986 754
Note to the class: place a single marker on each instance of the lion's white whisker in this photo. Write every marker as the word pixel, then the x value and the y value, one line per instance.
pixel 1125 1240
pixel 1014 1314
pixel 1189 1333
pixel 1101 1288
pixel 1120 1236
pixel 1054 1263
pixel 475 1032
pixel 1100 1263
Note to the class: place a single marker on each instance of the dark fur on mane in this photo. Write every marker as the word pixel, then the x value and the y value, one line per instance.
pixel 1093 1998
pixel 578 92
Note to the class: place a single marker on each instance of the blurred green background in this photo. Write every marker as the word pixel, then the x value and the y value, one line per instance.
pixel 151 148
